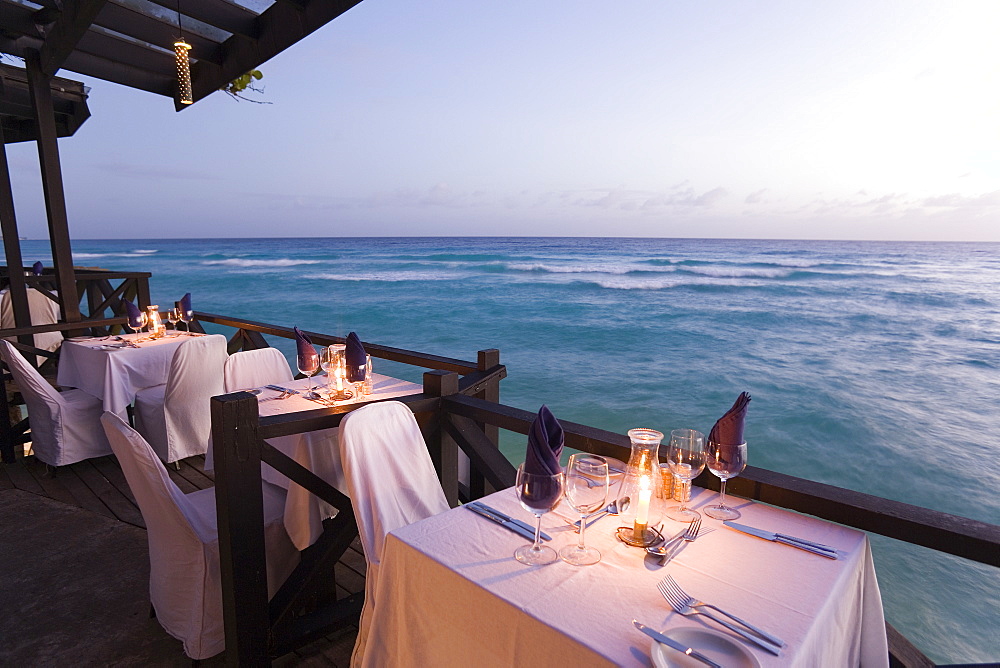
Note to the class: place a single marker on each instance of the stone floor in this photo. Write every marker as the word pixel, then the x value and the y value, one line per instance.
pixel 75 579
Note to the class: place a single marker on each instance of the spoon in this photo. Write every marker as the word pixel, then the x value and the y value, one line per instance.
pixel 613 508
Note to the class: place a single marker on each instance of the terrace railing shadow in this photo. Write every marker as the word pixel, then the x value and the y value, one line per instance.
pixel 459 412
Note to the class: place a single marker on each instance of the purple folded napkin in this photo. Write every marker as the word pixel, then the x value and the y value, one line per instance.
pixel 134 315
pixel 728 429
pixel 307 358
pixel 186 304
pixel 357 360
pixel 545 444
pixel 37 268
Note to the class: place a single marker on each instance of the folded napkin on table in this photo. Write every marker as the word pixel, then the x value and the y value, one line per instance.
pixel 185 304
pixel 728 429
pixel 357 359
pixel 307 357
pixel 545 444
pixel 134 315
pixel 37 268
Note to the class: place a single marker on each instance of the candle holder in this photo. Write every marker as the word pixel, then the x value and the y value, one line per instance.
pixel 156 326
pixel 339 388
pixel 642 485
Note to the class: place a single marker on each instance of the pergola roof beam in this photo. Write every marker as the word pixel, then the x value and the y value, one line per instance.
pixel 153 30
pixel 228 16
pixel 61 39
pixel 281 26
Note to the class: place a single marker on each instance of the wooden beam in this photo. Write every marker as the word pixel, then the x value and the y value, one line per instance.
pixel 73 23
pixel 222 14
pixel 240 510
pixel 52 187
pixel 12 247
pixel 281 26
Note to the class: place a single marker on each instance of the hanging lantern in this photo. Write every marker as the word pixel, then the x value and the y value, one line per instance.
pixel 181 49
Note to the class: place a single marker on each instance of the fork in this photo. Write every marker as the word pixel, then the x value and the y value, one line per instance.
pixel 681 606
pixel 688 536
pixel 671 583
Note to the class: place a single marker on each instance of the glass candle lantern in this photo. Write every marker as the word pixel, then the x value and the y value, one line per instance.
pixel 156 326
pixel 642 485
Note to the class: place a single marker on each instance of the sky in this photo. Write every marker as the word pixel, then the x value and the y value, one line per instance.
pixel 867 119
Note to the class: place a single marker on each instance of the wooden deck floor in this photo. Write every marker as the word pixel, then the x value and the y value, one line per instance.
pixel 98 486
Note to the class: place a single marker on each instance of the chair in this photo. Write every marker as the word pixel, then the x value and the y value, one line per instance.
pixel 176 418
pixel 256 368
pixel 65 426
pixel 392 483
pixel 185 586
pixel 43 311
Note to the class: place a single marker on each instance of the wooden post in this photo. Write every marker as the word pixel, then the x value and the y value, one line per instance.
pixel 478 486
pixel 239 505
pixel 443 449
pixel 52 187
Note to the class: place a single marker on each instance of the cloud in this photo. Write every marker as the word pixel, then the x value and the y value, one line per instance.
pixel 755 197
pixel 955 200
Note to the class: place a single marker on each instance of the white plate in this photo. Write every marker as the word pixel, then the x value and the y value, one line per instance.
pixel 79 339
pixel 720 648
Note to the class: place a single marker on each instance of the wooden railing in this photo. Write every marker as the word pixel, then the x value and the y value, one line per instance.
pixel 462 413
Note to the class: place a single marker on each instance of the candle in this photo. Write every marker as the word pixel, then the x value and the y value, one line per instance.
pixel 645 492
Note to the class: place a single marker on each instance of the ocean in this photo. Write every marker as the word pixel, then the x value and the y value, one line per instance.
pixel 873 366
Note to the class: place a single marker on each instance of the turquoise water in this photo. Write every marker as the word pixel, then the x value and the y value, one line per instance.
pixel 873 366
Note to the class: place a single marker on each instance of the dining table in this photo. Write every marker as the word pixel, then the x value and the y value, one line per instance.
pixel 115 368
pixel 318 451
pixel 450 593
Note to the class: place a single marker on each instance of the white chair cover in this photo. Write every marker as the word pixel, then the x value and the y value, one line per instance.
pixel 43 311
pixel 256 368
pixel 176 418
pixel 185 587
pixel 65 426
pixel 391 482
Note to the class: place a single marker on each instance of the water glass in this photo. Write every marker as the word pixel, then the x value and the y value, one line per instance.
pixel 687 460
pixel 586 490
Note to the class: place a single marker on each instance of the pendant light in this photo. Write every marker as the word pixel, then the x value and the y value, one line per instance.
pixel 181 49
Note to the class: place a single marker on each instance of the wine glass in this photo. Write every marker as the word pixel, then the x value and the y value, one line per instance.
pixel 328 362
pixel 172 318
pixel 186 317
pixel 725 461
pixel 308 365
pixel 686 459
pixel 586 490
pixel 538 494
pixel 136 324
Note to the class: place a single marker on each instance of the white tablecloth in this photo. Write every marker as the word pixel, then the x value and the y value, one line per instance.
pixel 318 451
pixel 116 375
pixel 451 593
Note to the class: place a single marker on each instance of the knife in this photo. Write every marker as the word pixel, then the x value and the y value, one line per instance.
pixel 669 642
pixel 279 388
pixel 808 546
pixel 508 518
pixel 506 524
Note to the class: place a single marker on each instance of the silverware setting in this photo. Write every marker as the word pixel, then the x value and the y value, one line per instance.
pixel 792 541
pixel 508 524
pixel 508 518
pixel 616 507
pixel 687 606
pixel 670 548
